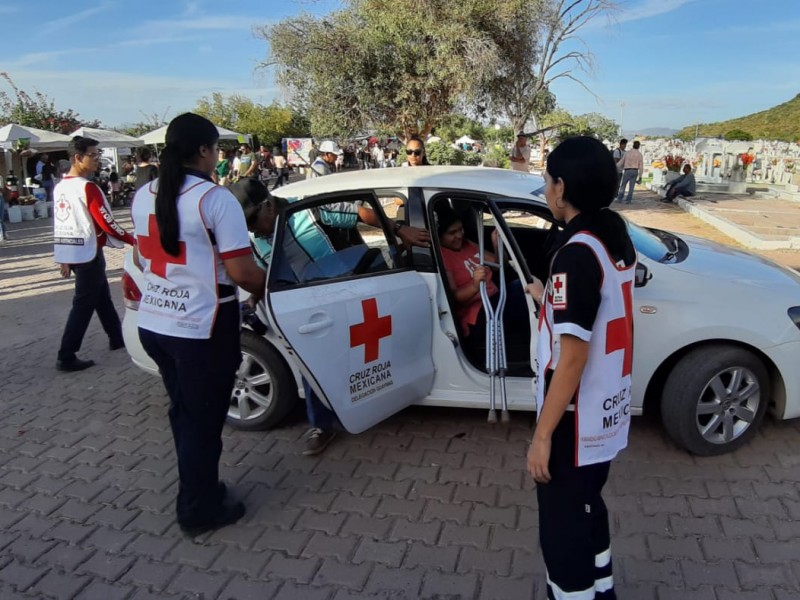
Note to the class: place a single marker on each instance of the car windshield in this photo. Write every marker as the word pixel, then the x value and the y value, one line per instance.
pixel 651 245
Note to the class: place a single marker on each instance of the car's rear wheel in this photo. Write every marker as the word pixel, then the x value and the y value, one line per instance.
pixel 264 390
pixel 715 399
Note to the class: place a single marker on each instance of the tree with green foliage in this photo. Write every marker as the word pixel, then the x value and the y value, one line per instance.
pixel 377 64
pixel 453 126
pixel 538 44
pixel 738 135
pixel 269 123
pixel 37 110
pixel 592 124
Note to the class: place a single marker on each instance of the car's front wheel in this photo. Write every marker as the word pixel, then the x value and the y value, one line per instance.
pixel 264 390
pixel 715 399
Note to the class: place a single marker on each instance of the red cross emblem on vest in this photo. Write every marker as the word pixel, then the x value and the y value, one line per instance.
pixel 619 332
pixel 150 247
pixel 370 332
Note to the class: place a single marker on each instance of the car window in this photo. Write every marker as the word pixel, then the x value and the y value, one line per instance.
pixel 326 241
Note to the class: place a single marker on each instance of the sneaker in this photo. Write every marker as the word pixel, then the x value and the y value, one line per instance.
pixel 317 441
pixel 116 345
pixel 76 364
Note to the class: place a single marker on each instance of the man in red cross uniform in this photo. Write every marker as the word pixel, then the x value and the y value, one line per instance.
pixel 83 225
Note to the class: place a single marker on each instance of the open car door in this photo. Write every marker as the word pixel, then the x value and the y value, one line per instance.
pixel 358 320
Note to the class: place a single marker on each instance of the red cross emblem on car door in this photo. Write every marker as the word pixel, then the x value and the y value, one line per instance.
pixel 370 332
pixel 150 247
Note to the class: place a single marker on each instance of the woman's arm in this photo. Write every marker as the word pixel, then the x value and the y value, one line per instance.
pixel 574 353
pixel 245 273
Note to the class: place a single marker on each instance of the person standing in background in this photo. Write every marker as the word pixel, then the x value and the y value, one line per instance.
pixel 520 154
pixel 83 225
pixel 248 162
pixel 223 168
pixel 632 165
pixel 145 172
pixel 617 155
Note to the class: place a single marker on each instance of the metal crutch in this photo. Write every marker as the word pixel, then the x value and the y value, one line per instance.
pixel 491 366
pixel 500 342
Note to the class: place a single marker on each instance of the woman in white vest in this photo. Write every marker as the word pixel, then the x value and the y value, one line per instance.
pixel 194 250
pixel 584 359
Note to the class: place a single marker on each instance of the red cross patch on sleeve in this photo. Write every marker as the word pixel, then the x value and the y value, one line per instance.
pixel 559 283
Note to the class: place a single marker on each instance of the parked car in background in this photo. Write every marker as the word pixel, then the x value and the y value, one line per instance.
pixel 372 327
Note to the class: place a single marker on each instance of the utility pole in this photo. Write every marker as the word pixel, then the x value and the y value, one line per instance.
pixel 621 117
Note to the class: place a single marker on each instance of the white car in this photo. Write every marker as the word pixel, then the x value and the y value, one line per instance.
pixel 371 327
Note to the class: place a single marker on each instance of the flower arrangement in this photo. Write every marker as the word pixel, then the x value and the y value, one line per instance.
pixel 717 162
pixel 789 165
pixel 674 163
pixel 747 160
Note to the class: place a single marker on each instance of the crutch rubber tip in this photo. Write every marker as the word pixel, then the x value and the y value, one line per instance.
pixel 492 418
pixel 505 417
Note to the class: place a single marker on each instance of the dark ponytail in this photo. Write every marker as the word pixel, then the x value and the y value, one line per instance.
pixel 186 133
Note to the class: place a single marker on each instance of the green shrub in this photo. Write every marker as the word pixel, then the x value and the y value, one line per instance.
pixel 440 153
pixel 473 159
pixel 497 157
pixel 739 135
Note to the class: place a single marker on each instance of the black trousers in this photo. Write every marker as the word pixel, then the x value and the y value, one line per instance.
pixel 199 377
pixel 92 294
pixel 573 522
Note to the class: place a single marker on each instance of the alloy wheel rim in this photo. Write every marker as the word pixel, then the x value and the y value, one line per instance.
pixel 728 405
pixel 253 391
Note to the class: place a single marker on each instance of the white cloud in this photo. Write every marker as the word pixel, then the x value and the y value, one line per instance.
pixel 650 8
pixel 116 97
pixel 206 23
pixel 63 22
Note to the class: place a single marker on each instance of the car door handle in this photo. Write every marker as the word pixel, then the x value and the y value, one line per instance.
pixel 315 326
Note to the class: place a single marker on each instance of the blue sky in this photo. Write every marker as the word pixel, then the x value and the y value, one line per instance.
pixel 671 62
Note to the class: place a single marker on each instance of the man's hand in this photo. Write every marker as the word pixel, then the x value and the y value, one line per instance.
pixel 65 270
pixel 414 236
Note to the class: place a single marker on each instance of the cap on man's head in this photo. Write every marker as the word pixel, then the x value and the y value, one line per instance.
pixel 250 193
pixel 521 134
pixel 329 146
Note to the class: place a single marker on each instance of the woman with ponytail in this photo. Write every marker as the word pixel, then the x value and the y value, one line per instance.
pixel 194 250
pixel 584 355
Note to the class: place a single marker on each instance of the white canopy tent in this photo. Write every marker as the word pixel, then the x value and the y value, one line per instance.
pixel 159 135
pixel 465 139
pixel 109 138
pixel 39 138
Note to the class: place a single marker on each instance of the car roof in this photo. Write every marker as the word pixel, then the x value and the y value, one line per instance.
pixel 500 182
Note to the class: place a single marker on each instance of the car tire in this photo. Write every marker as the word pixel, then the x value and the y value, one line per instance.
pixel 264 391
pixel 715 399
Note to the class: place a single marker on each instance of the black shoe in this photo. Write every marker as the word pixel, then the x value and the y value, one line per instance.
pixel 317 440
pixel 76 364
pixel 229 513
pixel 116 345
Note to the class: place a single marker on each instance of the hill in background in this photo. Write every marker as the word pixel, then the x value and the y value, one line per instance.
pixel 650 132
pixel 781 122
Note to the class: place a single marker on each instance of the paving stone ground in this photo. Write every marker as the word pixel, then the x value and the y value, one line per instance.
pixel 431 504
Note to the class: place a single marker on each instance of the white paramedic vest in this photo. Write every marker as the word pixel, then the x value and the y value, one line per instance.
pixel 74 233
pixel 603 398
pixel 181 294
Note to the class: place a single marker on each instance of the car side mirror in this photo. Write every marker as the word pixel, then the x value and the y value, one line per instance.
pixel 643 275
